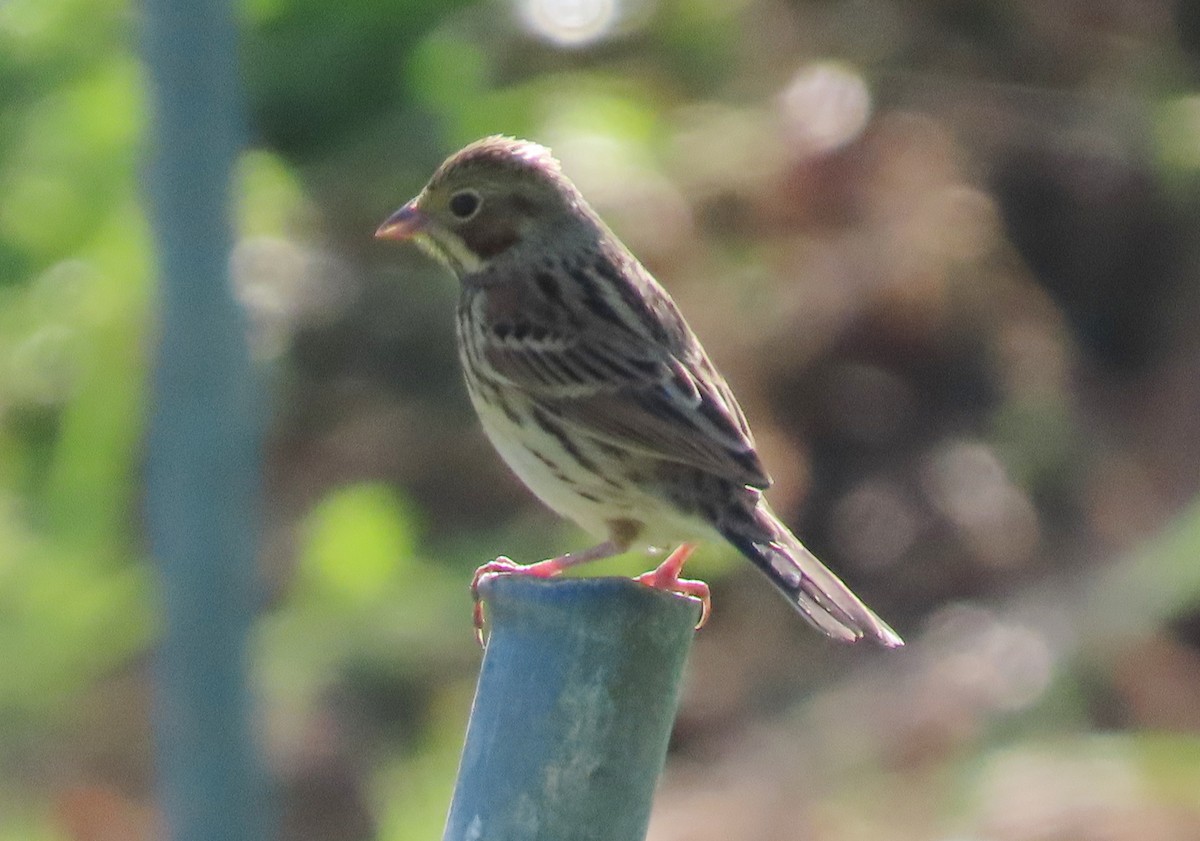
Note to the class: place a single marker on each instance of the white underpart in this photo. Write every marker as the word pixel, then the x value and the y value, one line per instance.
pixel 666 525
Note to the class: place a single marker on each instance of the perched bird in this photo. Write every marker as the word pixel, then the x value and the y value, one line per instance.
pixel 594 389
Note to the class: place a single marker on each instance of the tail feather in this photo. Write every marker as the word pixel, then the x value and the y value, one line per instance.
pixel 809 585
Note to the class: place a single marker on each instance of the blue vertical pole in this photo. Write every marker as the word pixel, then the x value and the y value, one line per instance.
pixel 203 461
pixel 574 708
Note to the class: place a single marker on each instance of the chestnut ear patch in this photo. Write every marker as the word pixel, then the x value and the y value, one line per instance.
pixel 489 234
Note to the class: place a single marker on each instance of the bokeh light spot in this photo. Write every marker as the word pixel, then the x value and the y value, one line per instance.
pixel 875 524
pixel 570 23
pixel 969 485
pixel 825 107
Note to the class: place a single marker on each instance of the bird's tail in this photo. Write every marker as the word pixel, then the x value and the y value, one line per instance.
pixel 809 585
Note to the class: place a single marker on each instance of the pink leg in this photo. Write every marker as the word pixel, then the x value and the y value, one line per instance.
pixel 542 569
pixel 666 577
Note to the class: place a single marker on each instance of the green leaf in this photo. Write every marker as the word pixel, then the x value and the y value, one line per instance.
pixel 358 538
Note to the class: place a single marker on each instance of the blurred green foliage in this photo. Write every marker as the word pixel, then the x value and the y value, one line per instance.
pixel 74 290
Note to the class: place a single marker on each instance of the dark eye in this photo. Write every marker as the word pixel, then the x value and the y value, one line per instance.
pixel 464 203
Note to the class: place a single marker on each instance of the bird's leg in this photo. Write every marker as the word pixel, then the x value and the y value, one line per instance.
pixel 666 577
pixel 542 569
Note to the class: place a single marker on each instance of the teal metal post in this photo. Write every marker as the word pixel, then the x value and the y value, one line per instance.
pixel 576 698
pixel 203 456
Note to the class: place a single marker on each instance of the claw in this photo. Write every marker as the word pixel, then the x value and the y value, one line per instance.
pixel 684 586
pixel 504 566
pixel 666 577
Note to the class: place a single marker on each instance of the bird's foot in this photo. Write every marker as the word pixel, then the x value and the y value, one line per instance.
pixel 666 577
pixel 506 566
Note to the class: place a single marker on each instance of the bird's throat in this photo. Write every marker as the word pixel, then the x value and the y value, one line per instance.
pixel 453 252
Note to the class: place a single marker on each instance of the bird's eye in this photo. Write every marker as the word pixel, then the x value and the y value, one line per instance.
pixel 465 203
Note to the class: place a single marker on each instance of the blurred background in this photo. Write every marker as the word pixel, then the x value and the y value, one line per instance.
pixel 946 253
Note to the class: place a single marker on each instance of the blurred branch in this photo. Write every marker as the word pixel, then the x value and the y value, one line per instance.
pixel 204 447
pixel 1148 588
pixel 980 664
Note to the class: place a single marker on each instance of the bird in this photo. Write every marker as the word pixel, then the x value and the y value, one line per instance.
pixel 595 391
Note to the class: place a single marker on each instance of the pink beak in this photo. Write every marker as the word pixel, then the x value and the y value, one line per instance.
pixel 404 224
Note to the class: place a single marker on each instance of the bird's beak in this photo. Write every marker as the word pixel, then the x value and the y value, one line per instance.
pixel 404 224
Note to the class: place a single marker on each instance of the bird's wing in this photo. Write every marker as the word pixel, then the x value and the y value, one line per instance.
pixel 629 392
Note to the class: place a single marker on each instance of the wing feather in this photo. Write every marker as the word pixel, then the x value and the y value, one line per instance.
pixel 635 395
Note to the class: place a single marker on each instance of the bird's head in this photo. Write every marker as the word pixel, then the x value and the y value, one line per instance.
pixel 495 197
